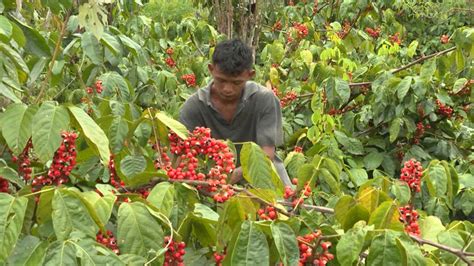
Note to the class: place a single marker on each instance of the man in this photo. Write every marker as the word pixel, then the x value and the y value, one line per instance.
pixel 234 107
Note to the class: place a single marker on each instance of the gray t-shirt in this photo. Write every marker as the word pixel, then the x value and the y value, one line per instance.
pixel 258 118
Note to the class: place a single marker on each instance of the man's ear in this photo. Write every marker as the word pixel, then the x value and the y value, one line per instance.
pixel 251 73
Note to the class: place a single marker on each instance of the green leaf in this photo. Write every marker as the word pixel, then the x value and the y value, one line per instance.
pixel 403 87
pixel 430 227
pixel 402 193
pixel 338 91
pixel 331 181
pixel 15 57
pixel 459 85
pixel 92 132
pixel 12 212
pixel 118 131
pixel 411 253
pixel 6 29
pixel 115 84
pixel 92 48
pixel 69 214
pixel 348 212
pixel 384 250
pixel 293 162
pixel 285 241
pixel 353 145
pixel 358 176
pixel 386 216
pixel 101 205
pixel 428 69
pixel 411 50
pixel 17 122
pixel 373 160
pixel 61 253
pixel 48 123
pixel 395 128
pixel 172 124
pixel 28 251
pixel 257 168
pixel 11 175
pixel 204 212
pixel 112 43
pixel 162 197
pixel 36 44
pixel 307 57
pixel 251 247
pixel 451 239
pixel 350 245
pixel 132 165
pixel 138 232
pixel 371 197
pixel 7 92
pixel 437 180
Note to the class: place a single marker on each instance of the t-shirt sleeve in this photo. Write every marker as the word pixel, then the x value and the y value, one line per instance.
pixel 269 126
pixel 189 114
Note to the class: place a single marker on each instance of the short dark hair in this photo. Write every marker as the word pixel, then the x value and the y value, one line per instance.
pixel 233 57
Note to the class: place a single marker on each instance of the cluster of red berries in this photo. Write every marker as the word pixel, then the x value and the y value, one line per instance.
pixel 420 130
pixel 333 111
pixel 170 62
pixel 444 109
pixel 374 33
pixel 64 161
pixel 201 143
pixel 288 98
pixel 190 79
pixel 291 194
pixel 308 246
pixel 3 185
pixel 113 178
pixel 301 30
pixel 395 38
pixel 169 51
pixel 24 163
pixel 174 254
pixel 108 240
pixel 409 217
pixel 345 30
pixel 269 213
pixel 219 257
pixel 444 39
pixel 277 26
pixel 298 149
pixel 411 173
pixel 98 88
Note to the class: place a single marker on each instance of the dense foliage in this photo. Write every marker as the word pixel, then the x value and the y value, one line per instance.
pixel 377 101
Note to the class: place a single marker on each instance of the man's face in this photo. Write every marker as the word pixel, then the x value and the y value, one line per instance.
pixel 226 87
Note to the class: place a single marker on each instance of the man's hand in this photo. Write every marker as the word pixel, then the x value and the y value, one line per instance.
pixel 236 175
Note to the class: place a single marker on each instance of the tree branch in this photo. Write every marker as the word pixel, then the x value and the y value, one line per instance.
pixel 458 252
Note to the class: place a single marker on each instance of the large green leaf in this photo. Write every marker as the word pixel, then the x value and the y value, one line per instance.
pixel 403 87
pixel 17 125
pixel 115 84
pixel 437 180
pixel 132 165
pixel 12 212
pixel 451 239
pixel 331 181
pixel 7 92
pixel 250 248
pixel 36 44
pixel 6 29
pixel 48 123
pixel 172 124
pixel 348 212
pixel 386 216
pixel 352 145
pixel 384 250
pixel 371 197
pixel 61 253
pixel 257 168
pixel 338 91
pixel 350 245
pixel 92 132
pixel 138 232
pixel 69 214
pixel 162 197
pixel 15 57
pixel 101 205
pixel 29 251
pixel 112 43
pixel 118 131
pixel 285 241
pixel 92 48
pixel 410 251
pixel 395 126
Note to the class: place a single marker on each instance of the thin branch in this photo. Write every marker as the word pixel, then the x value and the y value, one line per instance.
pixel 458 252
pixel 423 58
pixel 53 58
pixel 310 207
